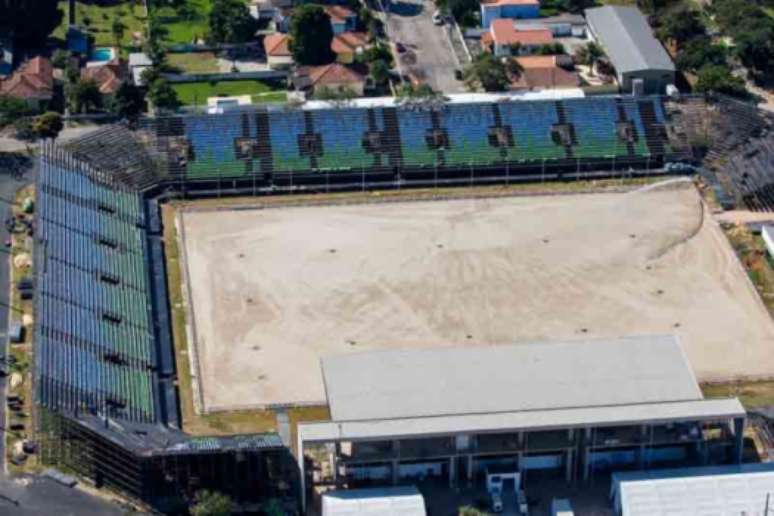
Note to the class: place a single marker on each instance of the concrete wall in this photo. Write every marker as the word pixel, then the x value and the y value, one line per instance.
pixel 655 80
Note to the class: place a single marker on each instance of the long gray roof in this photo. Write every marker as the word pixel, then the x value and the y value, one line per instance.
pixel 628 39
pixel 575 374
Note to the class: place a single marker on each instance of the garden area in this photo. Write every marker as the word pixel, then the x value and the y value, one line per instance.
pixel 196 93
pixel 99 20
pixel 194 62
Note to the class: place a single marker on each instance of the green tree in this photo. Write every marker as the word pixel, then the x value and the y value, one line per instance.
pixel 162 95
pixel 30 21
pixel 128 101
pixel 230 22
pixel 490 73
pixel 117 28
pixel 82 95
pixel 311 35
pixel 379 72
pixel 699 52
pixel 719 79
pixel 337 97
pixel 12 109
pixel 680 24
pixel 48 125
pixel 589 55
pixel 211 503
pixel 376 52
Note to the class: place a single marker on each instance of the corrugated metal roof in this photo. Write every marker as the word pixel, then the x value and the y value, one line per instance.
pixel 628 39
pixel 722 491
pixel 522 377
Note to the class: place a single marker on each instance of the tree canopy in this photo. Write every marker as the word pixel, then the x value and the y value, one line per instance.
pixel 699 52
pixel 311 35
pixel 490 73
pixel 48 125
pixel 128 101
pixel 162 95
pixel 230 22
pixel 719 79
pixel 30 21
pixel 211 503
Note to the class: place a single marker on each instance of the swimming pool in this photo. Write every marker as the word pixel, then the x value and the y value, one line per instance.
pixel 103 54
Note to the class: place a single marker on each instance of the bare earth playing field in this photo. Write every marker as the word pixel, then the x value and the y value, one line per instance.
pixel 273 290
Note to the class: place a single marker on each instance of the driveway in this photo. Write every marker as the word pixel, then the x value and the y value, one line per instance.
pixel 429 55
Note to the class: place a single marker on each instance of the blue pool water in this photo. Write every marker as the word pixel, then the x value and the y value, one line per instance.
pixel 102 54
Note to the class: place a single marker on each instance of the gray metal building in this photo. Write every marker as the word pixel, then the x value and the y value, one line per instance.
pixel 635 53
pixel 568 408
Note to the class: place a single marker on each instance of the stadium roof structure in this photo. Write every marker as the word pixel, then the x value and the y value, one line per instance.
pixel 569 374
pixel 717 490
pixel 533 386
pixel 383 501
pixel 628 39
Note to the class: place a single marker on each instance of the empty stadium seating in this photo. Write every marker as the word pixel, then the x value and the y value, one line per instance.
pixel 95 346
pixel 453 136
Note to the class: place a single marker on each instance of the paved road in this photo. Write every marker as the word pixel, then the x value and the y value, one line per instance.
pixel 9 144
pixel 430 56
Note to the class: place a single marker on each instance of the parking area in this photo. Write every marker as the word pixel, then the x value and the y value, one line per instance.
pixel 427 53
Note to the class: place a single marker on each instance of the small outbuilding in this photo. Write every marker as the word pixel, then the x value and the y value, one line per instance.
pixel 740 489
pixel 641 63
pixel 387 501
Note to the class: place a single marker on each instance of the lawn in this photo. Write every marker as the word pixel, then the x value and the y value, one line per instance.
pixel 751 394
pixel 194 62
pixel 186 23
pixel 98 20
pixel 196 93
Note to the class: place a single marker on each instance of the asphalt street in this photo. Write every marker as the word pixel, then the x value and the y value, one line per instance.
pixel 429 55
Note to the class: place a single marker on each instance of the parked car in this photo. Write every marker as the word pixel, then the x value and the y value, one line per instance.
pixel 400 47
pixel 437 18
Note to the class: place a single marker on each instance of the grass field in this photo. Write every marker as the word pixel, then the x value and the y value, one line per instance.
pixel 196 93
pixel 194 62
pixel 132 15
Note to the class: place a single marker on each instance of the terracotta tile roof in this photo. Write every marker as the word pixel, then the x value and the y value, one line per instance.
pixel 504 33
pixel 277 45
pixel 333 73
pixel 108 76
pixel 510 2
pixel 349 42
pixel 33 80
pixel 543 72
pixel 338 13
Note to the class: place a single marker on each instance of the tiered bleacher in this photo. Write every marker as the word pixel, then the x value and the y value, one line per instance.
pixel 453 136
pixel 95 349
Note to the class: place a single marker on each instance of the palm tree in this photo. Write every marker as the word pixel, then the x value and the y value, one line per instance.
pixel 590 55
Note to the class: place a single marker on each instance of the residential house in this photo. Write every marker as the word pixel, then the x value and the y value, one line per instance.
pixel 510 9
pixel 349 44
pixel 343 19
pixel 108 76
pixel 641 63
pixel 33 82
pixel 334 76
pixel 277 48
pixel 504 40
pixel 546 72
pixel 6 58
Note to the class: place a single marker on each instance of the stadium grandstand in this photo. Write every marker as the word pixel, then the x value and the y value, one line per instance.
pixel 105 373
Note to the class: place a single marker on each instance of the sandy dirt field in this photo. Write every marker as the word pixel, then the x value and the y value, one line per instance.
pixel 273 290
